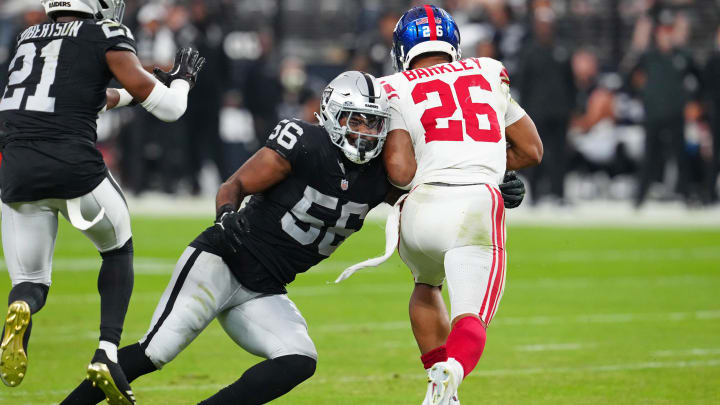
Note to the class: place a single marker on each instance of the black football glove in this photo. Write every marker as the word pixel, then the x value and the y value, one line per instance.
pixel 512 189
pixel 232 224
pixel 188 63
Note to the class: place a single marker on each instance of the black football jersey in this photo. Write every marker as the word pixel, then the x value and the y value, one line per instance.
pixel 48 111
pixel 304 218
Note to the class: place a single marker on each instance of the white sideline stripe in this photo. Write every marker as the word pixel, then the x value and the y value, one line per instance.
pixel 418 376
pixel 686 352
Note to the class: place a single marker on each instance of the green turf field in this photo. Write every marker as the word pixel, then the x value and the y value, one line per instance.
pixel 589 316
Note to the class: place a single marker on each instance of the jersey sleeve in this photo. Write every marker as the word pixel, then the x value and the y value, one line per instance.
pixel 287 140
pixel 514 112
pixel 396 120
pixel 110 35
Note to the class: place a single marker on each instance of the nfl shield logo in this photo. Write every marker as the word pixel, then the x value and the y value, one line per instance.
pixel 344 185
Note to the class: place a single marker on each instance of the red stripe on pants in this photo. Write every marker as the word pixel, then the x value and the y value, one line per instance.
pixel 500 248
pixel 494 242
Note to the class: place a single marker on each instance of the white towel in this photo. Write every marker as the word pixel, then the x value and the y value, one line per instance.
pixel 392 234
pixel 76 218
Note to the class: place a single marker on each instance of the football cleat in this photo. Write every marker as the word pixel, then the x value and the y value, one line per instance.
pixel 13 358
pixel 110 378
pixel 443 381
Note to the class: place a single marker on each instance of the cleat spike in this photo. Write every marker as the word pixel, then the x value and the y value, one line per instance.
pixel 13 362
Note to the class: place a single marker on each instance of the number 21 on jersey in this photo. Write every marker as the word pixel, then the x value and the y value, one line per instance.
pixel 470 123
pixel 41 100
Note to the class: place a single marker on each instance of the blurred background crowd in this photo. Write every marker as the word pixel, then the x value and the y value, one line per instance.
pixel 625 93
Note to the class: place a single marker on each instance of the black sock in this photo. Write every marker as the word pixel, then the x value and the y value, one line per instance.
pixel 115 284
pixel 134 363
pixel 35 295
pixel 265 381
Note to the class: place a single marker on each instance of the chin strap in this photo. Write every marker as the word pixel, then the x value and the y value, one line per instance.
pixel 392 236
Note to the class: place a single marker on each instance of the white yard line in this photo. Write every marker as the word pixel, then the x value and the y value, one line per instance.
pixel 418 376
pixel 687 352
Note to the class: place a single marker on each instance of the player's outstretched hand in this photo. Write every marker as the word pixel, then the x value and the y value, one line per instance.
pixel 188 63
pixel 232 224
pixel 512 189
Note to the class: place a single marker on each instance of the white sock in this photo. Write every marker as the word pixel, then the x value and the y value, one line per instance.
pixel 110 349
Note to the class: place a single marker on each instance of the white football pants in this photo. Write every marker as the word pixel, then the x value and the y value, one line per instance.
pixel 201 289
pixel 458 233
pixel 29 229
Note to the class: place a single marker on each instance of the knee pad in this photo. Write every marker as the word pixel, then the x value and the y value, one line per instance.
pixel 298 366
pixel 126 249
pixel 34 294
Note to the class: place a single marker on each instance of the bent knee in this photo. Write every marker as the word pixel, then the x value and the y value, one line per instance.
pixel 301 367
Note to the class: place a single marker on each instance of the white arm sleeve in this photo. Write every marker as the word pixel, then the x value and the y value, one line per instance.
pixel 514 112
pixel 168 104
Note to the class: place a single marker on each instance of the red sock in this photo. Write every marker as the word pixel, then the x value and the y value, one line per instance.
pixel 435 355
pixel 466 342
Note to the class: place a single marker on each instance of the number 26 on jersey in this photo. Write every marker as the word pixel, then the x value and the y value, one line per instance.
pixel 470 123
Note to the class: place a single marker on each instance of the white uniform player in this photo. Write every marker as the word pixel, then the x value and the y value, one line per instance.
pixel 456 114
pixel 453 133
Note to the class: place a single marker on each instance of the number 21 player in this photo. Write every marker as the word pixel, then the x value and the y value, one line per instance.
pixel 454 131
pixel 58 78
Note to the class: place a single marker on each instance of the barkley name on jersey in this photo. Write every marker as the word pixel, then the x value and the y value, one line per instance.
pixel 301 220
pixel 58 76
pixel 456 114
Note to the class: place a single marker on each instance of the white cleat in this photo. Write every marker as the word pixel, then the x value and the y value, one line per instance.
pixel 443 381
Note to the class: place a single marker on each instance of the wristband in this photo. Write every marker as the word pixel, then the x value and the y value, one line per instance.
pixel 125 98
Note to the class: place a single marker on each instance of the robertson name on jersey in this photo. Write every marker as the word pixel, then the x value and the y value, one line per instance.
pixel 456 114
pixel 57 80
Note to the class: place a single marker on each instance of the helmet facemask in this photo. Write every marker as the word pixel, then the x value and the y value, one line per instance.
pixel 112 9
pixel 362 134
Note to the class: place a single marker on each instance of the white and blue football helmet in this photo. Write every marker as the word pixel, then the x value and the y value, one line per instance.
pixel 424 29
pixel 101 9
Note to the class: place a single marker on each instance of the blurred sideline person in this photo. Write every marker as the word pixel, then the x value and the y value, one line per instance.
pixel 664 71
pixel 547 91
pixel 311 187
pixel 454 130
pixel 58 81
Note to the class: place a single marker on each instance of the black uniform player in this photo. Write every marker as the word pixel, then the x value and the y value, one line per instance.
pixel 58 78
pixel 311 188
pixel 306 216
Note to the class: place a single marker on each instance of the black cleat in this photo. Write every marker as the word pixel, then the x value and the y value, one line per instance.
pixel 13 357
pixel 110 378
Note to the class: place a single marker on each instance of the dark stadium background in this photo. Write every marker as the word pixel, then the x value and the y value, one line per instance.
pixel 269 59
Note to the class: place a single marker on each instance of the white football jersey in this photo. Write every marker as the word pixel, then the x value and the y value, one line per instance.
pixel 456 114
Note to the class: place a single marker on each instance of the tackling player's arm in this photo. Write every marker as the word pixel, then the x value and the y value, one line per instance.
pixel 525 148
pixel 262 171
pixel 399 158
